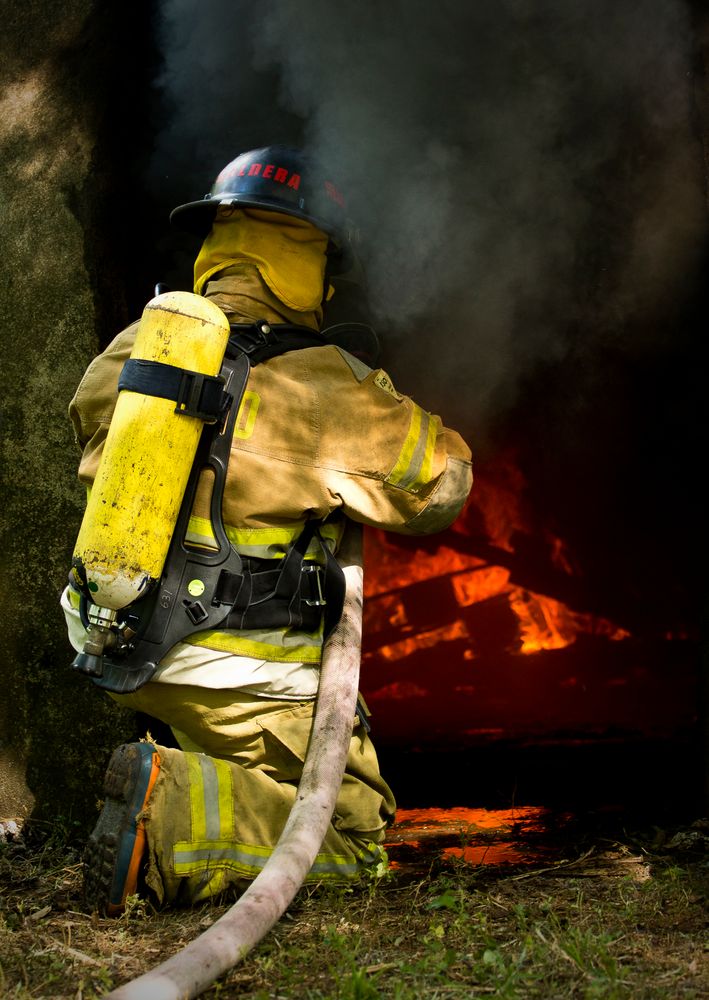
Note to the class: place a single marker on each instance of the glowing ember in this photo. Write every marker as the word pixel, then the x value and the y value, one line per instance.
pixel 479 584
pixel 548 624
pixel 462 819
pixel 483 835
pixel 425 640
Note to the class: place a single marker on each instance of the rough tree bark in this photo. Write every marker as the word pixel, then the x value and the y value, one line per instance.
pixel 62 292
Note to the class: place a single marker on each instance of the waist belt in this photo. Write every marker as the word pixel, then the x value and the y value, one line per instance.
pixel 292 592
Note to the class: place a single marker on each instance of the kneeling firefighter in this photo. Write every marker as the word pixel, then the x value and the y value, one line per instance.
pixel 225 442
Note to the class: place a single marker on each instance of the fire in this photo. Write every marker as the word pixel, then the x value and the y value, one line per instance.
pixel 426 600
pixel 448 581
pixel 548 624
pixel 433 821
pixel 498 499
pixel 479 584
pixel 425 640
pixel 485 836
pixel 481 634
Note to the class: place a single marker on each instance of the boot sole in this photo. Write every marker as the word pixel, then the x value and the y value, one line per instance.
pixel 115 849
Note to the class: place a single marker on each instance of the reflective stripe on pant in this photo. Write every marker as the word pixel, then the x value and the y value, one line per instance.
pixel 216 815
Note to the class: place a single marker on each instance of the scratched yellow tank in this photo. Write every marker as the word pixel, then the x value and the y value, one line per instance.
pixel 131 513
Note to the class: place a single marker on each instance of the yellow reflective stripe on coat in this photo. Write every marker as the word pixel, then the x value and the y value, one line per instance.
pixel 246 417
pixel 277 645
pixel 415 463
pixel 263 543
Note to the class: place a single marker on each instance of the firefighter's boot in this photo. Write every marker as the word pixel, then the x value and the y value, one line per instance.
pixel 114 855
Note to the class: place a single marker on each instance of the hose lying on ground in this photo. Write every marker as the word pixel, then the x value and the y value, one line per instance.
pixel 226 942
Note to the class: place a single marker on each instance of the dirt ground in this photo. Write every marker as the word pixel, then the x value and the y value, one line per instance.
pixel 585 908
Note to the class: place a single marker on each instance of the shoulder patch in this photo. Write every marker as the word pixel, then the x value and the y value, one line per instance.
pixel 384 382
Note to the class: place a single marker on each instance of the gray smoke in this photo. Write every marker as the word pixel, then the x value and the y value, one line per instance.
pixel 524 174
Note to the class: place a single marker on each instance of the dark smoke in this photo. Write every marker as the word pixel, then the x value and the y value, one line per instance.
pixel 524 174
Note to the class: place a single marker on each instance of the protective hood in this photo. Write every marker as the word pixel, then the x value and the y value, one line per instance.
pixel 288 252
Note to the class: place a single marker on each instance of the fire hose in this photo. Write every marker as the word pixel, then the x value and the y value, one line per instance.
pixel 223 945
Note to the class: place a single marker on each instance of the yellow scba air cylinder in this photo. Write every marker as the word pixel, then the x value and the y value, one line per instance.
pixel 147 457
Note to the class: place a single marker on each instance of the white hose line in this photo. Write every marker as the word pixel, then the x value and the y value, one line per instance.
pixel 226 942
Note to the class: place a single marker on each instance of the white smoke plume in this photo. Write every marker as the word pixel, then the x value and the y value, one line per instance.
pixel 524 173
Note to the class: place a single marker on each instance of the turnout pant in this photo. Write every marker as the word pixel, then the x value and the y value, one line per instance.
pixel 220 802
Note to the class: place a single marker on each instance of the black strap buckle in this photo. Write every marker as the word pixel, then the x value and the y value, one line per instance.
pixel 196 612
pixel 315 568
pixel 251 338
pixel 261 340
pixel 200 396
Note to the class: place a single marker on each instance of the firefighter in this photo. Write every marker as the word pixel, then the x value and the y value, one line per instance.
pixel 319 437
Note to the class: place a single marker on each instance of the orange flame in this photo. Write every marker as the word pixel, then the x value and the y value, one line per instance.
pixel 486 835
pixel 428 597
pixel 464 581
pixel 548 624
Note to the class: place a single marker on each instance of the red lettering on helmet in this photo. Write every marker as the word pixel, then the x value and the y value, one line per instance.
pixel 254 170
pixel 294 182
pixel 280 175
pixel 242 172
pixel 226 175
pixel 334 194
pixel 268 170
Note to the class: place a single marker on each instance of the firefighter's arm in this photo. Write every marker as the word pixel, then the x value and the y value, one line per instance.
pixel 431 475
pixel 441 499
pixel 413 474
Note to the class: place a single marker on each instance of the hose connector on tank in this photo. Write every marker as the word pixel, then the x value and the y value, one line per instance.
pixel 101 637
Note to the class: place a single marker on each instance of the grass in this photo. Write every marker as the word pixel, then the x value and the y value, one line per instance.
pixel 611 921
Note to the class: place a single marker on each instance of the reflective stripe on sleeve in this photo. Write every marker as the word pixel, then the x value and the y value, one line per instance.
pixel 415 463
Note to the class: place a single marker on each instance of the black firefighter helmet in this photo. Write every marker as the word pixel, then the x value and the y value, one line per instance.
pixel 278 179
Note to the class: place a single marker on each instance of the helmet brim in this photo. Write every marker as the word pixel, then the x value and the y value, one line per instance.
pixel 197 217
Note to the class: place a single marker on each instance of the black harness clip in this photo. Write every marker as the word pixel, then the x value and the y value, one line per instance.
pixel 200 396
pixel 314 573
